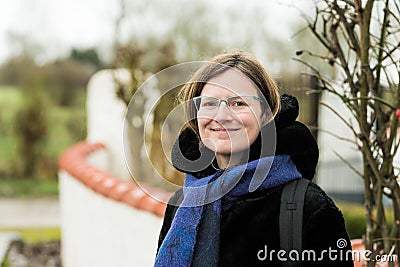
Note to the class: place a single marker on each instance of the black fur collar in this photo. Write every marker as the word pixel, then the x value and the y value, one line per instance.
pixel 292 138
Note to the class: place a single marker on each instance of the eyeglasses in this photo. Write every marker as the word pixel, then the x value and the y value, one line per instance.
pixel 238 104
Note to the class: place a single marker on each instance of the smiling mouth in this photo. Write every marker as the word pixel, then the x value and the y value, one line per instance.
pixel 223 130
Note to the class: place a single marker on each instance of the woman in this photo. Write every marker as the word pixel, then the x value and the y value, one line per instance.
pixel 241 146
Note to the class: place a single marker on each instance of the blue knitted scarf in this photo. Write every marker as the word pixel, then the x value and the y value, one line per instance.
pixel 193 239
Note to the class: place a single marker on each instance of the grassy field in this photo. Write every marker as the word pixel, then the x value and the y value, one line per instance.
pixel 28 188
pixel 65 126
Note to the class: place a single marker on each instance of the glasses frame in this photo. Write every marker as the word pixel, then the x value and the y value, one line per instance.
pixel 226 100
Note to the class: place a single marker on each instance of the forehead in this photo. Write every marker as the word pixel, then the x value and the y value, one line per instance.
pixel 229 83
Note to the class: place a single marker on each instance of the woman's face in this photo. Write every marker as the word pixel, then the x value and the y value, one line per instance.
pixel 225 130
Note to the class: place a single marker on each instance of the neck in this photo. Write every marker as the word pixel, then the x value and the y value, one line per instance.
pixel 227 160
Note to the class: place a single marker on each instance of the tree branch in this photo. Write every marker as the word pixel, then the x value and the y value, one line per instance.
pixel 349 26
pixel 373 98
pixel 334 135
pixel 349 165
pixel 340 117
pixel 382 40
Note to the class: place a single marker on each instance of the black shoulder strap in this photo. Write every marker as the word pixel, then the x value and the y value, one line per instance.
pixel 291 218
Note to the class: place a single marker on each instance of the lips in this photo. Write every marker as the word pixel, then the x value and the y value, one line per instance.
pixel 224 130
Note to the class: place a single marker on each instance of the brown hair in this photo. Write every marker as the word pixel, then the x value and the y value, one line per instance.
pixel 239 60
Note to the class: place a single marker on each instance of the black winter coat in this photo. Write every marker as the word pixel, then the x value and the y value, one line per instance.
pixel 250 229
pixel 249 233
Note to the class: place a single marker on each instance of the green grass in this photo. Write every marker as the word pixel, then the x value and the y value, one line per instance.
pixel 10 97
pixel 68 125
pixel 10 100
pixel 65 127
pixel 27 188
pixel 36 235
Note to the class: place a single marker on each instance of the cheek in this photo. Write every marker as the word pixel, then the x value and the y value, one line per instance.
pixel 252 128
pixel 201 123
pixel 253 135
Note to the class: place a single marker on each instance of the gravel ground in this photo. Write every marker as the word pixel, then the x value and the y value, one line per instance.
pixel 28 213
pixel 34 255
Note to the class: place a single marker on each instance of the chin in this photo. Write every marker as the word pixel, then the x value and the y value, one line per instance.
pixel 225 152
pixel 228 151
pixel 226 147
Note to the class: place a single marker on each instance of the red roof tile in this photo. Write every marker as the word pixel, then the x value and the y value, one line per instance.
pixel 74 162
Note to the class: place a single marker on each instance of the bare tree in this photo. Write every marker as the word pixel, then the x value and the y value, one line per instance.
pixel 361 41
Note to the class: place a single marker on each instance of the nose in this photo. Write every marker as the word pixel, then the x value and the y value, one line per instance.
pixel 223 113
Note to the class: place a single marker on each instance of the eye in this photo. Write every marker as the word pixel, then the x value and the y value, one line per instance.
pixel 209 103
pixel 238 102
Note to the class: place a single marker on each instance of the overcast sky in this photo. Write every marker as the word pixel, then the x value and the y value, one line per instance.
pixel 56 25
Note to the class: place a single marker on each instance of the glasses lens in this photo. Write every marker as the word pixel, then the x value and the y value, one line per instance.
pixel 239 103
pixel 206 103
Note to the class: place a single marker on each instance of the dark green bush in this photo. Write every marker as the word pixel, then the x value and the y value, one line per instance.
pixel 354 215
pixel 31 127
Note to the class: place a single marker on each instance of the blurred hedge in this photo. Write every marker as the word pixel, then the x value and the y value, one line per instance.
pixel 354 215
pixel 65 125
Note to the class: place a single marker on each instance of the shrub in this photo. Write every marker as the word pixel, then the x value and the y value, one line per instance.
pixel 30 127
pixel 354 215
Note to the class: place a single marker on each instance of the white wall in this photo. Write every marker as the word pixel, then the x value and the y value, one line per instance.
pixel 97 231
pixel 105 118
pixel 100 232
pixel 333 174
